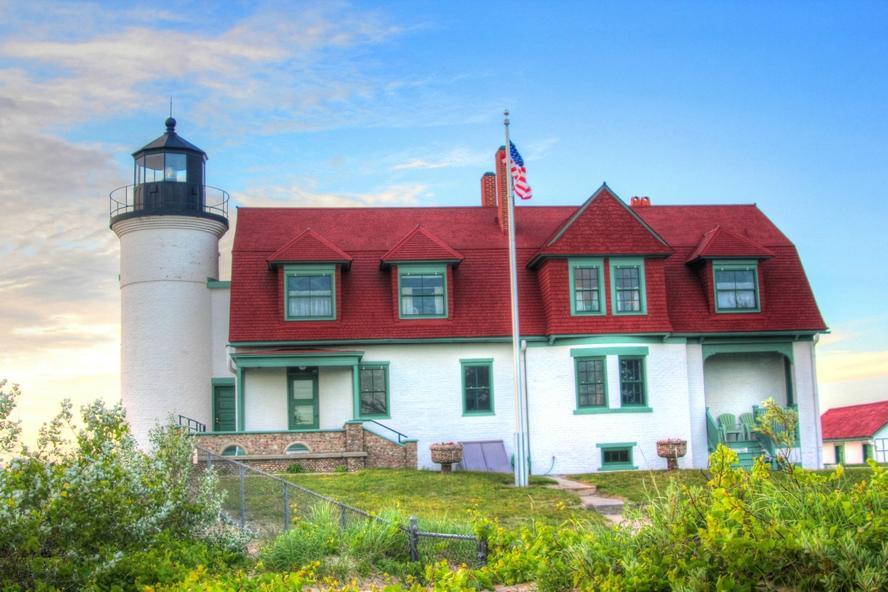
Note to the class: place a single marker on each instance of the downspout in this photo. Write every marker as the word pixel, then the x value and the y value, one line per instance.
pixel 526 404
pixel 818 432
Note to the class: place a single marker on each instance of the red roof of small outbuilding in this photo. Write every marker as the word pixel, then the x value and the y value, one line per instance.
pixel 854 421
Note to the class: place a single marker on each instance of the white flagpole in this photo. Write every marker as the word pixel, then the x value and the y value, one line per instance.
pixel 521 472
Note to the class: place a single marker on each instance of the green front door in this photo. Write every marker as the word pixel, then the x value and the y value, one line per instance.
pixel 223 408
pixel 840 454
pixel 302 400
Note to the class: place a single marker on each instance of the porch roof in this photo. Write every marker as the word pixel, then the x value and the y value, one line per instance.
pixel 281 358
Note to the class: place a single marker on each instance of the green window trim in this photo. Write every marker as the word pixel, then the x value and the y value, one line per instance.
pixel 234 450
pixel 465 391
pixel 640 379
pixel 595 269
pixel 735 266
pixel 616 264
pixel 597 410
pixel 587 366
pixel 617 456
pixel 310 271
pixel 423 271
pixel 374 366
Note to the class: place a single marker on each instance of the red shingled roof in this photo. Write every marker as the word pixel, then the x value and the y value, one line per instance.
pixel 479 288
pixel 421 245
pixel 309 247
pixel 854 421
pixel 720 242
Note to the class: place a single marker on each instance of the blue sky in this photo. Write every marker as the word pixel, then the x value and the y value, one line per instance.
pixel 400 103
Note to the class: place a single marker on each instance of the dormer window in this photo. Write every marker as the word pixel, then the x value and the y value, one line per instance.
pixel 587 287
pixel 422 291
pixel 627 286
pixel 736 286
pixel 310 292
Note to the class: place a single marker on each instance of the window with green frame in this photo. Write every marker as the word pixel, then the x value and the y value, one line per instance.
pixel 477 386
pixel 374 383
pixel 591 382
pixel 627 286
pixel 422 291
pixel 310 293
pixel 617 456
pixel 586 287
pixel 632 381
pixel 736 286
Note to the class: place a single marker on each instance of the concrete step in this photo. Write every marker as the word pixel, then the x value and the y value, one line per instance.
pixel 602 505
pixel 572 486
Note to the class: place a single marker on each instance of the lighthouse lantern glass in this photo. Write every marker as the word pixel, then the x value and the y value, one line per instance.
pixel 175 168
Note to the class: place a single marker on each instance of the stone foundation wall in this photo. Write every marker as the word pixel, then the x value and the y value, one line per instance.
pixel 351 448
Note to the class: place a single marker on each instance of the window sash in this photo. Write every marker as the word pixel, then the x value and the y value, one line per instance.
pixel 423 294
pixel 373 391
pixel 616 456
pixel 632 382
pixel 736 288
pixel 477 391
pixel 627 284
pixel 310 294
pixel 587 289
pixel 591 374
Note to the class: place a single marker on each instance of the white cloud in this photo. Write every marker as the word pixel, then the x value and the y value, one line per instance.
pixel 458 157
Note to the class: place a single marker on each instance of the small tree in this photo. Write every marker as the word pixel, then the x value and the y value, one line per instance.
pixel 780 425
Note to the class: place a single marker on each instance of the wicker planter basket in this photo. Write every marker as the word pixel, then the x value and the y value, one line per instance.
pixel 672 449
pixel 446 454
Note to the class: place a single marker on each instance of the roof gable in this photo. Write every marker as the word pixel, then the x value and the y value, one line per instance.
pixel 854 421
pixel 721 242
pixel 421 245
pixel 604 225
pixel 309 247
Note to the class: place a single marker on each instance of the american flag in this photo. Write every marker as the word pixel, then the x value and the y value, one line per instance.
pixel 519 174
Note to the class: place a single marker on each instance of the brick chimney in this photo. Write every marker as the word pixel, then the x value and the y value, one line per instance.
pixel 502 196
pixel 640 202
pixel 488 190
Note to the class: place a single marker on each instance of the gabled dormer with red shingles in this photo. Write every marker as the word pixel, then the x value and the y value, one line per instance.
pixel 421 245
pixel 309 247
pixel 720 245
pixel 603 231
pixel 422 254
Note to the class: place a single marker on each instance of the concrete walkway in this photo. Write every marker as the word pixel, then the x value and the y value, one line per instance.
pixel 610 507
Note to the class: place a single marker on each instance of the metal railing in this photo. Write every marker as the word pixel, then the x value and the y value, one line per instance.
pixel 127 199
pixel 401 437
pixel 192 424
pixel 267 505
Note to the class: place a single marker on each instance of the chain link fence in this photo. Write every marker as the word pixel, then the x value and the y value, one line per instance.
pixel 267 505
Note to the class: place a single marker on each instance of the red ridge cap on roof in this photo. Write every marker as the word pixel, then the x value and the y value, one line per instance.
pixel 309 247
pixel 721 242
pixel 421 245
pixel 854 421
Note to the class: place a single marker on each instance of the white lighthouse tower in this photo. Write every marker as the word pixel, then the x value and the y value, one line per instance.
pixel 169 232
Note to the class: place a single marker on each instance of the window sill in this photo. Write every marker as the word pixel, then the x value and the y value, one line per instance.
pixel 364 416
pixel 599 410
pixel 478 413
pixel 618 468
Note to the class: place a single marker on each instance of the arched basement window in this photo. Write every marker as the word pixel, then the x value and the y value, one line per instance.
pixel 296 448
pixel 234 450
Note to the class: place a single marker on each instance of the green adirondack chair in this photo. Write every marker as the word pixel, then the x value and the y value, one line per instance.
pixel 727 424
pixel 747 420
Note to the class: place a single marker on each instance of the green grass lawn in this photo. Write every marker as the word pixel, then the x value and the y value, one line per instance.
pixel 635 486
pixel 457 496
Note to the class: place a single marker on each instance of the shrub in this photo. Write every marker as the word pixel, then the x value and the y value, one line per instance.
pixel 75 508
pixel 295 468
pixel 741 531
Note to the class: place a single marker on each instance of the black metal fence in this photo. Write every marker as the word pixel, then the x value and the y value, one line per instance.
pixel 267 505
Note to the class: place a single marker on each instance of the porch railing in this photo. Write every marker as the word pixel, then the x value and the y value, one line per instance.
pixel 192 425
pixel 712 433
pixel 401 437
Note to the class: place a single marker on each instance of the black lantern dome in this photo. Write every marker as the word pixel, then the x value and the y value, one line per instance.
pixel 169 178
